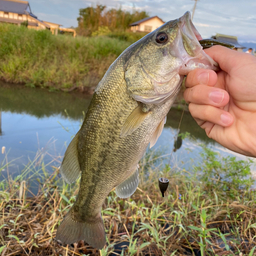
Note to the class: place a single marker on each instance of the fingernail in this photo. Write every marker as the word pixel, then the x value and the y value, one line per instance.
pixel 203 78
pixel 225 118
pixel 216 96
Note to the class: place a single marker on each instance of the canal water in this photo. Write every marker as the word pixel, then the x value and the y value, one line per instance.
pixel 37 125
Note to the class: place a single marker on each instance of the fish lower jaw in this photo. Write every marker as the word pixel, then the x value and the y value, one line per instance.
pixel 205 63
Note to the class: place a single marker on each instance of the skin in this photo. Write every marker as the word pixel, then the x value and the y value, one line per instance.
pixel 224 103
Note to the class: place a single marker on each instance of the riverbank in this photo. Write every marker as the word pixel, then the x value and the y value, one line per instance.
pixel 211 211
pixel 40 59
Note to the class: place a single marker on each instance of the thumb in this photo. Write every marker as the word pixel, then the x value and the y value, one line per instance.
pixel 225 57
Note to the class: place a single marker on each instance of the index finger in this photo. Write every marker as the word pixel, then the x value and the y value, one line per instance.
pixel 201 76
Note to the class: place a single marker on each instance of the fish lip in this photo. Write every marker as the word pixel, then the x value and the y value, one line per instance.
pixel 185 22
pixel 189 33
pixel 197 56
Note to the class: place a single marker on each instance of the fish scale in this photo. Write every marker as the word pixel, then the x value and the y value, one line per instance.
pixel 126 114
pixel 102 143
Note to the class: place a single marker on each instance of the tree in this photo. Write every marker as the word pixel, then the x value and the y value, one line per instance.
pixel 91 18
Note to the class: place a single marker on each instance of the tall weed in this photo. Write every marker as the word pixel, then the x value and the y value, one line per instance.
pixel 38 58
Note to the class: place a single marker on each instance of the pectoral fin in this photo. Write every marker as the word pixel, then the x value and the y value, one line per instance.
pixel 129 186
pixel 70 168
pixel 157 133
pixel 134 120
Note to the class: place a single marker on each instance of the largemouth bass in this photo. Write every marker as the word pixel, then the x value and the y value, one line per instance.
pixel 126 114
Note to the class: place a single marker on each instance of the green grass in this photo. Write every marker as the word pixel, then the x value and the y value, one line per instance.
pixel 193 218
pixel 127 36
pixel 38 58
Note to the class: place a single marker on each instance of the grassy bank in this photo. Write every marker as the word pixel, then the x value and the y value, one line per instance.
pixel 209 211
pixel 37 58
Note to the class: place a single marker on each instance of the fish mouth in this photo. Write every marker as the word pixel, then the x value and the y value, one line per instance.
pixel 191 29
pixel 192 54
pixel 190 35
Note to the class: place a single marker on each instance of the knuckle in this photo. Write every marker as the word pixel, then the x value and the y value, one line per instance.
pixel 195 95
pixel 185 95
pixel 191 108
pixel 207 113
pixel 202 112
pixel 188 80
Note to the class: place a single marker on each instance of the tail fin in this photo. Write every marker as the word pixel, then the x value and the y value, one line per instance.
pixel 71 231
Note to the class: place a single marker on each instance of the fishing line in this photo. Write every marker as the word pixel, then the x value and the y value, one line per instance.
pixel 164 182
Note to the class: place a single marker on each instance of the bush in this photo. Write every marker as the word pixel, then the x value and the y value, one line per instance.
pixel 38 58
pixel 224 173
pixel 103 30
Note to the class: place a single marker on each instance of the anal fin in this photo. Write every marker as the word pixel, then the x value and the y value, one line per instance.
pixel 129 186
pixel 70 168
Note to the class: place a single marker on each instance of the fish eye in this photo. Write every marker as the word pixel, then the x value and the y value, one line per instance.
pixel 161 38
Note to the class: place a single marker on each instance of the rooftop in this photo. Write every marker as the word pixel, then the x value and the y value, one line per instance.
pixel 16 6
pixel 143 20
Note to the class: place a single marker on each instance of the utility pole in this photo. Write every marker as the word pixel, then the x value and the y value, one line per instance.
pixel 194 9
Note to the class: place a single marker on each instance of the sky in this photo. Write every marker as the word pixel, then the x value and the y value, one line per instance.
pixel 230 17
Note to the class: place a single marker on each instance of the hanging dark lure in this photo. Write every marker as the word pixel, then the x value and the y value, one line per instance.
pixel 163 185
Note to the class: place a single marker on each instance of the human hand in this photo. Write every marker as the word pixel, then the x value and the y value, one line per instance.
pixel 224 103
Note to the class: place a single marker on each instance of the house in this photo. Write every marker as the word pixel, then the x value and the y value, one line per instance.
pixel 147 25
pixel 19 12
pixel 230 40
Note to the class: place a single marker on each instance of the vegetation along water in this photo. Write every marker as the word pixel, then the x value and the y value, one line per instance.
pixel 209 211
pixel 38 58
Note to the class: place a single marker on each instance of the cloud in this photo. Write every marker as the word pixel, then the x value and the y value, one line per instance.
pixel 234 17
pixel 206 25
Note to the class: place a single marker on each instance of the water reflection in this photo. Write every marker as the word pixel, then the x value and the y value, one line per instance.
pixel 42 103
pixel 36 119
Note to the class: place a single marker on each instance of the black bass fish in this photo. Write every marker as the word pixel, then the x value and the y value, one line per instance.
pixel 127 113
